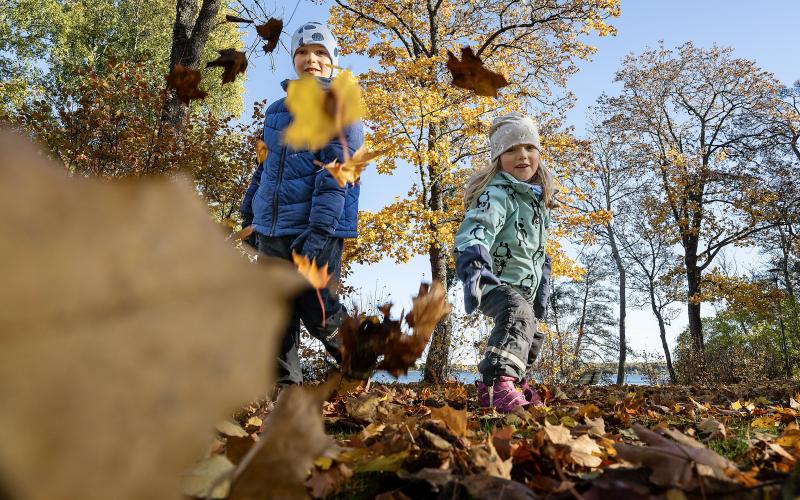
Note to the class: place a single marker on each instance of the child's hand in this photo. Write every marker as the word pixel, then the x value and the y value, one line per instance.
pixel 310 243
pixel 476 278
pixel 474 269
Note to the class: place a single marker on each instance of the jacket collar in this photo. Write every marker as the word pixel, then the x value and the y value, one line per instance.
pixel 324 82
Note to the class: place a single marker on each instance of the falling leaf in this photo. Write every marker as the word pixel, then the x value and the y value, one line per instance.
pixel 205 473
pixel 244 233
pixel 233 62
pixel 236 19
pixel 124 339
pixel 319 116
pixel 294 437
pixel 674 464
pixel 270 32
pixel 350 171
pixel 470 73
pixel 428 308
pixel 261 151
pixel 185 81
pixel 317 276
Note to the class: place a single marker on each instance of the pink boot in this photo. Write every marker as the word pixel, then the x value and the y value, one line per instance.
pixel 502 395
pixel 531 395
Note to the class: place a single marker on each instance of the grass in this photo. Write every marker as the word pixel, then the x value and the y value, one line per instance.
pixel 364 485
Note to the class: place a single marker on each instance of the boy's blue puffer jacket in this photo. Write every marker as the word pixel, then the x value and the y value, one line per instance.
pixel 289 194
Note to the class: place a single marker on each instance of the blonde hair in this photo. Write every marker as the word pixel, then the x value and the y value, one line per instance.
pixel 480 179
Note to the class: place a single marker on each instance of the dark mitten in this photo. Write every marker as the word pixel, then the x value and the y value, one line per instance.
pixel 310 243
pixel 474 269
pixel 543 292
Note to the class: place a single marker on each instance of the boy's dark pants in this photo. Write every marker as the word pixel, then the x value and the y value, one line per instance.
pixel 307 307
pixel 514 342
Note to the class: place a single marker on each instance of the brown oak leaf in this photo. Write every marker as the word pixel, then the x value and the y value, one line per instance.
pixel 186 81
pixel 233 62
pixel 271 32
pixel 470 73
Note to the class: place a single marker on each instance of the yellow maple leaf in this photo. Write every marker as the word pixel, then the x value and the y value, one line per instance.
pixel 319 116
pixel 317 276
pixel 350 170
pixel 261 151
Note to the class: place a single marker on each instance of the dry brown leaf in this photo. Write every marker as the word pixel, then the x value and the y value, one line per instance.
pixel 401 351
pixel 713 427
pixel 596 426
pixel 317 276
pixel 326 483
pixel 261 151
pixel 124 336
pixel 557 434
pixel 584 450
pixel 455 420
pixel 271 33
pixel 470 73
pixel 293 437
pixel 485 458
pixel 186 82
pixel 232 61
pixel 204 475
pixel 674 464
pixel 236 19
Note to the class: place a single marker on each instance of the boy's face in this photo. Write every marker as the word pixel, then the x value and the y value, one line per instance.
pixel 313 60
pixel 521 161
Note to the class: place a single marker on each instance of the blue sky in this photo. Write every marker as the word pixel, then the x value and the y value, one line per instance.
pixel 763 31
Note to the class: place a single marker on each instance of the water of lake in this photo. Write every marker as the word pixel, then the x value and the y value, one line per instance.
pixel 468 377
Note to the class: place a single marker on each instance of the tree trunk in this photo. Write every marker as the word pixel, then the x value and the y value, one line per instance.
pixel 663 332
pixel 189 36
pixel 623 348
pixel 436 364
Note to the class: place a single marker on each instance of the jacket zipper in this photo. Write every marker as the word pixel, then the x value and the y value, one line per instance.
pixel 277 190
pixel 541 244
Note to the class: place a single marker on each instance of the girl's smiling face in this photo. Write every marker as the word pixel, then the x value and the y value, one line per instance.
pixel 313 60
pixel 521 161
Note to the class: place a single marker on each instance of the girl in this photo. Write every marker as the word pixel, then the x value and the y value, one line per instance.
pixel 500 255
pixel 296 206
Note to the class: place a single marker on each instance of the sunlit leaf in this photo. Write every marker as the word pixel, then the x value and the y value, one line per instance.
pixel 317 276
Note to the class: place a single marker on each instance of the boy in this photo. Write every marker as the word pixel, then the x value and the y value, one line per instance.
pixel 294 205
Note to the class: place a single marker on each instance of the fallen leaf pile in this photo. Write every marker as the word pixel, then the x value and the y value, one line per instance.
pixel 416 441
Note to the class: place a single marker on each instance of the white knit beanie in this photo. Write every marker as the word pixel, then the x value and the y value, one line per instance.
pixel 510 130
pixel 314 32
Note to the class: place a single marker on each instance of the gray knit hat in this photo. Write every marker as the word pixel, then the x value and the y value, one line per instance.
pixel 510 130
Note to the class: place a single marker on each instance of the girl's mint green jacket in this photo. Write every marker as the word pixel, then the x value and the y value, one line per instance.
pixel 510 219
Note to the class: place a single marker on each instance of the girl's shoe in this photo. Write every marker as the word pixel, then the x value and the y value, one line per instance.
pixel 505 396
pixel 533 396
